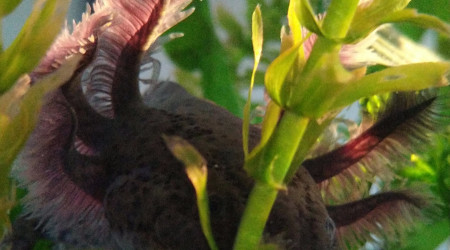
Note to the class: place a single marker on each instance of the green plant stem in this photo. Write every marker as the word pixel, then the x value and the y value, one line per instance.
pixel 276 160
pixel 283 145
pixel 322 47
pixel 256 213
pixel 335 26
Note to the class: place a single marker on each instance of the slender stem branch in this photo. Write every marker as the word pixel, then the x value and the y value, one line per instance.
pixel 203 204
pixel 335 26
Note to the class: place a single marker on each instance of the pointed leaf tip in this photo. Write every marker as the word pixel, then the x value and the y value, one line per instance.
pixel 257 41
pixel 306 16
pixel 197 172
pixel 257 32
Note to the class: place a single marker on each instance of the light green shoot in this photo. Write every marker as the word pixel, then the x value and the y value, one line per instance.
pixel 197 172
pixel 257 40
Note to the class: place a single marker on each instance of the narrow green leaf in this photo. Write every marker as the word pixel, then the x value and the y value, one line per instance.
pixel 277 72
pixel 422 20
pixel 7 6
pixel 271 118
pixel 294 24
pixel 257 41
pixel 306 16
pixel 197 172
pixel 257 34
pixel 10 101
pixel 409 77
pixel 44 23
pixel 16 130
pixel 18 114
pixel 370 15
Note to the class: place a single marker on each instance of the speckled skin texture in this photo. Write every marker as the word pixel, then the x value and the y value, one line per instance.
pixel 143 192
pixel 134 194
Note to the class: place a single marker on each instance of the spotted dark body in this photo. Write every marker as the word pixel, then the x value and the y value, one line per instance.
pixel 144 193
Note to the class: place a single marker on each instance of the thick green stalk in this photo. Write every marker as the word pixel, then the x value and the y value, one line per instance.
pixel 322 47
pixel 255 216
pixel 284 143
pixel 276 160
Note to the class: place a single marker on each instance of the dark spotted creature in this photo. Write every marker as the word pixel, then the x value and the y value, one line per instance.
pixel 99 174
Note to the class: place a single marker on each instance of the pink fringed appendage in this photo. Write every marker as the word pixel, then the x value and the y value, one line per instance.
pixel 63 209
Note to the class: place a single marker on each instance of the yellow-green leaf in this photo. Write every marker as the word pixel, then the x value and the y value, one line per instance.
pixel 410 77
pixel 306 16
pixel 257 33
pixel 197 172
pixel 257 41
pixel 423 20
pixel 271 118
pixel 189 156
pixel 370 14
pixel 276 74
pixel 9 102
pixel 18 114
pixel 44 23
pixel 7 6
pixel 15 129
pixel 294 25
